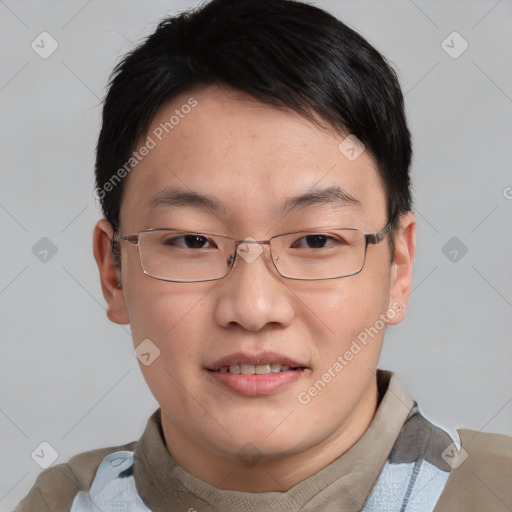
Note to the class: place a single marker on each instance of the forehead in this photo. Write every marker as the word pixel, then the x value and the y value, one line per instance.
pixel 247 158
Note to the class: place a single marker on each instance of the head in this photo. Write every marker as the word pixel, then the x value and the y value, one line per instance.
pixel 248 104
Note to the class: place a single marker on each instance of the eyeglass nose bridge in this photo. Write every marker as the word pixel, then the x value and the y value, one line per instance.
pixel 243 249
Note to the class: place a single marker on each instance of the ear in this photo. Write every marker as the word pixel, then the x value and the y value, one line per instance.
pixel 110 275
pixel 401 271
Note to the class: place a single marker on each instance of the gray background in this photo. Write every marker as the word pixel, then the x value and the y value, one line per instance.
pixel 68 376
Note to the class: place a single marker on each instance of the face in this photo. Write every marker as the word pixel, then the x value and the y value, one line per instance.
pixel 250 159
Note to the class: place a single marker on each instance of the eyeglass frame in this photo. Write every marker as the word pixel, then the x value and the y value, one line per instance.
pixel 370 239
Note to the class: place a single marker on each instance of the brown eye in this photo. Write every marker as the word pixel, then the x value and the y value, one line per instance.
pixel 189 241
pixel 316 241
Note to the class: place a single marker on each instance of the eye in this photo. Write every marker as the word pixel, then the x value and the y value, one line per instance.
pixel 189 241
pixel 316 241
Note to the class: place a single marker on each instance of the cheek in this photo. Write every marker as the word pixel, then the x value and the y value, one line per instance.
pixel 353 304
pixel 172 319
pixel 174 316
pixel 351 310
pixel 160 310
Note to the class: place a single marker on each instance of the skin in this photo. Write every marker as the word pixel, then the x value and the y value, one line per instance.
pixel 252 157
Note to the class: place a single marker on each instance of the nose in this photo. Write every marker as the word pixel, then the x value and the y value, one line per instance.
pixel 253 295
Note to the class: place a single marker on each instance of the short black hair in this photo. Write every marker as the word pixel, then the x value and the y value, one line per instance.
pixel 284 53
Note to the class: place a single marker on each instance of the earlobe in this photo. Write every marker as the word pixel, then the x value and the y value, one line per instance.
pixel 401 271
pixel 110 275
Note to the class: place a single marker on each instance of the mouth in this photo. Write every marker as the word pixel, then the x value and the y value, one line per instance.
pixel 254 375
pixel 241 363
pixel 260 369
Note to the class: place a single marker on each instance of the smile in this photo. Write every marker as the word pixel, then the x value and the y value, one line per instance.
pixel 251 369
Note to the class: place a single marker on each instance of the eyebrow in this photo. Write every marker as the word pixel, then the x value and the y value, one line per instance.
pixel 172 198
pixel 332 196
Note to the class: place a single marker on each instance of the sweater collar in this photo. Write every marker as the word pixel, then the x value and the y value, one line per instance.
pixel 344 484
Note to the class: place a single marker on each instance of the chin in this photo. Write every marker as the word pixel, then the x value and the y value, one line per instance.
pixel 270 441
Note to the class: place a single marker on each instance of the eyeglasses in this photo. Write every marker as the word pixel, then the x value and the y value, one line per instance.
pixel 183 256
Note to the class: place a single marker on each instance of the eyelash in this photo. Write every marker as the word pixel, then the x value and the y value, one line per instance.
pixel 326 237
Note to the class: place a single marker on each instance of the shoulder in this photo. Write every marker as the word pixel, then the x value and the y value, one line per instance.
pixel 481 476
pixel 56 487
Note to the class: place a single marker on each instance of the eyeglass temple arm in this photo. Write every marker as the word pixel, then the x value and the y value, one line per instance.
pixel 132 239
pixel 375 238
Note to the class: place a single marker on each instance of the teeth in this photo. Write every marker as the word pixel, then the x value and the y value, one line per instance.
pixel 251 369
pixel 263 369
pixel 247 369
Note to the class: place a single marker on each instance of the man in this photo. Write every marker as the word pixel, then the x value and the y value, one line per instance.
pixel 253 169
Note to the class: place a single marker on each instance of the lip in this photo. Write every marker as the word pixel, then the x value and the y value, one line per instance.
pixel 256 385
pixel 255 359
